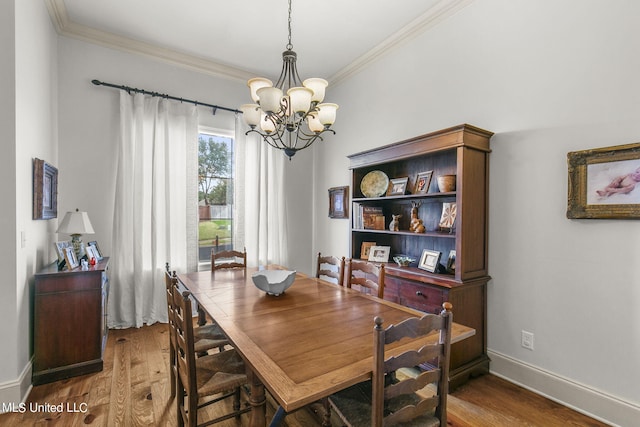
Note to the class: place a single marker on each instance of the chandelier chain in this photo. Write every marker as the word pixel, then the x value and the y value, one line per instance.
pixel 289 45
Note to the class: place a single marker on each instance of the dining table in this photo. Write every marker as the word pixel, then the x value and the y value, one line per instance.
pixel 305 344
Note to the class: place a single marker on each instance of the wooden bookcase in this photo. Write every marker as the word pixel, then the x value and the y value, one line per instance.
pixel 461 150
pixel 70 321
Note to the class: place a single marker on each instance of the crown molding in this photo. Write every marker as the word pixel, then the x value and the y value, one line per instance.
pixel 429 19
pixel 64 26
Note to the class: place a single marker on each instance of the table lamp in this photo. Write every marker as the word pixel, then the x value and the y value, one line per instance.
pixel 76 224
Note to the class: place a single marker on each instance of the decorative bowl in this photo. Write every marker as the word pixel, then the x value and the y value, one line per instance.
pixel 403 260
pixel 273 282
pixel 446 183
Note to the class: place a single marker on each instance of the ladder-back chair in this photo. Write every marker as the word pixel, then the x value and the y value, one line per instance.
pixel 207 379
pixel 335 274
pixel 228 259
pixel 411 401
pixel 368 276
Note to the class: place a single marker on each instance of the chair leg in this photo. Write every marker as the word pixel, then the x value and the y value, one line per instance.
pixel 193 411
pixel 172 370
pixel 180 403
pixel 326 417
pixel 236 401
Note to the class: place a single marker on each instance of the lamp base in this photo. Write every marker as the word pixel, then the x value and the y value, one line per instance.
pixel 78 246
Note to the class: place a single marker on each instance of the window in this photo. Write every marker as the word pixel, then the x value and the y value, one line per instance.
pixel 215 192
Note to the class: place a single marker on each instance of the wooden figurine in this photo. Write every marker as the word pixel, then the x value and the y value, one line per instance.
pixel 416 224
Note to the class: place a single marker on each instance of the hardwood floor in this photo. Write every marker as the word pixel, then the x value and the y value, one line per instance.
pixel 133 390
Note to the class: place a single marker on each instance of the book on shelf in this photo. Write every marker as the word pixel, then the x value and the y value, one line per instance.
pixel 372 218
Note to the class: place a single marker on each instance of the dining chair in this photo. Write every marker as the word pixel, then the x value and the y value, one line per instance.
pixel 334 274
pixel 366 272
pixel 228 259
pixel 411 400
pixel 204 380
pixel 205 338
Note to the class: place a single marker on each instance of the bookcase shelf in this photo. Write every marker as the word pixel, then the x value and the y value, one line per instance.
pixel 462 151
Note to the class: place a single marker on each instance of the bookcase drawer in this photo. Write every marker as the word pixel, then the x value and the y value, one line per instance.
pixel 421 297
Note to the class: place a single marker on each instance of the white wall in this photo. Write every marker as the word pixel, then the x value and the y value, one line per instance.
pixel 8 333
pixel 29 77
pixel 547 78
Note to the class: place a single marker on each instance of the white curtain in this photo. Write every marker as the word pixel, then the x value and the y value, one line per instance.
pixel 155 214
pixel 260 211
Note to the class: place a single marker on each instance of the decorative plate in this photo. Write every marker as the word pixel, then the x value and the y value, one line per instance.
pixel 374 184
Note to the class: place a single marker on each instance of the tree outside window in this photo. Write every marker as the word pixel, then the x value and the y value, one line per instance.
pixel 215 193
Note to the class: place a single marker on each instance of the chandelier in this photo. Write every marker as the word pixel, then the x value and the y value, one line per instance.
pixel 289 115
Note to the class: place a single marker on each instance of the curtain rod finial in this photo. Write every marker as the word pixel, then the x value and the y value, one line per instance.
pixel 96 82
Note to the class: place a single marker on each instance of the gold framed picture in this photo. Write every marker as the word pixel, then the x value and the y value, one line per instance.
pixel 603 182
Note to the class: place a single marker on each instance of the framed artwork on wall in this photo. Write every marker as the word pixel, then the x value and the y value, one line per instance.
pixel 603 183
pixel 339 202
pixel 45 190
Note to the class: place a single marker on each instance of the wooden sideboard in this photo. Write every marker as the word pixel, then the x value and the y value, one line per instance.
pixel 70 321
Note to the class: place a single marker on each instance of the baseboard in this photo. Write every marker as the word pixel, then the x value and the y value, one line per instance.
pixel 579 397
pixel 15 392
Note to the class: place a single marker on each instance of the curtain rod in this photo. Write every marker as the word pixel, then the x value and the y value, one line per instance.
pixel 162 95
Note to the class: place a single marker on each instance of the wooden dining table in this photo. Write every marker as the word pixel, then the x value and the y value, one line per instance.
pixel 305 344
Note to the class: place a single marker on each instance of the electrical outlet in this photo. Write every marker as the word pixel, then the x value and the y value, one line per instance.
pixel 527 340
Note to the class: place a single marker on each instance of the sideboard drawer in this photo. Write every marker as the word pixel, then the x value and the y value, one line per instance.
pixel 422 297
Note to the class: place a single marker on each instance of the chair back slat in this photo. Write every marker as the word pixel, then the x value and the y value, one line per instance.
pixel 413 327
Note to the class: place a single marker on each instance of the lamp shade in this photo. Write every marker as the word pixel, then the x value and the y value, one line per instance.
pixel 75 223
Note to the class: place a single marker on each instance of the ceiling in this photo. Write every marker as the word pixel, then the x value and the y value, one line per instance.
pixel 245 38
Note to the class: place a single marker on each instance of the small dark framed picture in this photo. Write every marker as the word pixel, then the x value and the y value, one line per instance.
pixel 423 180
pixel 398 186
pixel 96 250
pixel 379 253
pixel 45 190
pixel 451 262
pixel 429 260
pixel 365 249
pixel 339 202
